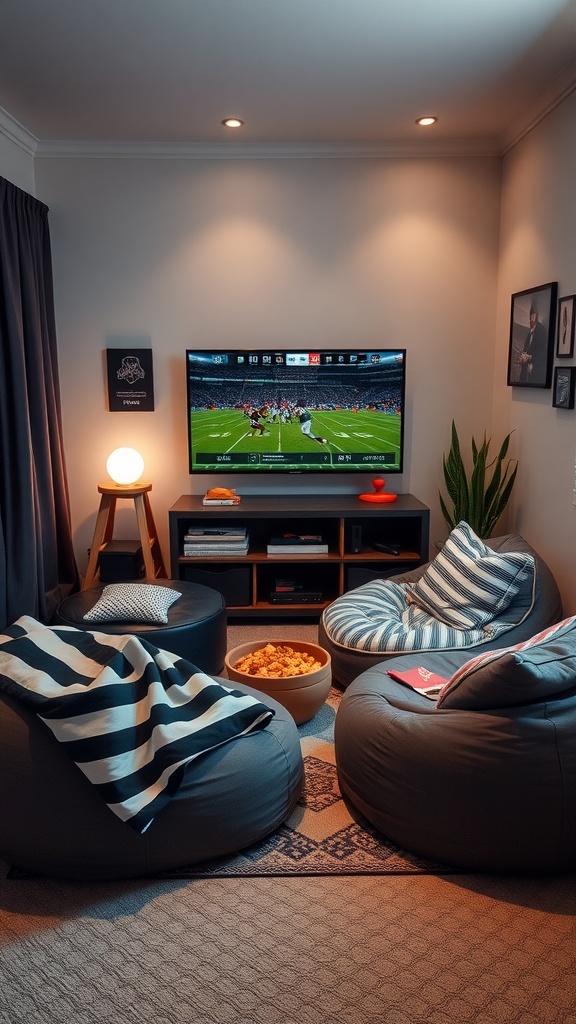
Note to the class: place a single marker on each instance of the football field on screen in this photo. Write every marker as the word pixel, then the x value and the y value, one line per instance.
pixel 227 431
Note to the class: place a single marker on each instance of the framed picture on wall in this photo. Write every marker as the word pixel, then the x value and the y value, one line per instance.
pixel 564 381
pixel 565 337
pixel 532 333
pixel 130 379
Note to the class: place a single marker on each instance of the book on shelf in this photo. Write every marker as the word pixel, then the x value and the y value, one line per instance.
pixel 422 680
pixel 221 501
pixel 297 549
pixel 216 546
pixel 208 551
pixel 292 539
pixel 215 535
pixel 205 541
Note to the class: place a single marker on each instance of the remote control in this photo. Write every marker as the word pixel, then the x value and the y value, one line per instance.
pixel 388 549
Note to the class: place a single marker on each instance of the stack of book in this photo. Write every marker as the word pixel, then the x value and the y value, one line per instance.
pixel 297 544
pixel 204 541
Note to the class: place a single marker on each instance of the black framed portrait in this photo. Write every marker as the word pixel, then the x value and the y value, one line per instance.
pixel 532 333
pixel 565 338
pixel 564 381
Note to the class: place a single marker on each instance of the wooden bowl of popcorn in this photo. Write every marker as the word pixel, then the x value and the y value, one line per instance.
pixel 295 673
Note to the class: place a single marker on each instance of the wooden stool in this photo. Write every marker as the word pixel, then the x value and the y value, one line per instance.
pixel 138 493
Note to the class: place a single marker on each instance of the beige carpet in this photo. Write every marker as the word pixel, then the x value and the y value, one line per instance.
pixel 405 949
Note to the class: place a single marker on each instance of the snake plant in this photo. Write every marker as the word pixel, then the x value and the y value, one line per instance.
pixel 478 499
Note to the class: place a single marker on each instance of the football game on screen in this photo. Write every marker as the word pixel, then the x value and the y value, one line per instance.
pixel 296 411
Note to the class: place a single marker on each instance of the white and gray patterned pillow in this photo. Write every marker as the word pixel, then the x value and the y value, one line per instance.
pixel 468 584
pixel 132 602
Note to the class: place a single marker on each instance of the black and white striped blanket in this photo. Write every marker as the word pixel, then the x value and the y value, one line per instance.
pixel 131 716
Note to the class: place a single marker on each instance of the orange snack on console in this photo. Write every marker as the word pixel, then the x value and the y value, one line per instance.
pixel 279 661
pixel 220 492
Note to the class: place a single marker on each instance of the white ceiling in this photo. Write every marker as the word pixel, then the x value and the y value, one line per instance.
pixel 301 73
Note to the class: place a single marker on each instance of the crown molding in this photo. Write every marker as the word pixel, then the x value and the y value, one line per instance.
pixel 557 91
pixel 266 151
pixel 17 133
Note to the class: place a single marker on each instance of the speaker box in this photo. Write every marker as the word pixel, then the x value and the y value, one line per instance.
pixel 356 540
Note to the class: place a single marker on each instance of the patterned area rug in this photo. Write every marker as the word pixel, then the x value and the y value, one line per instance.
pixel 323 836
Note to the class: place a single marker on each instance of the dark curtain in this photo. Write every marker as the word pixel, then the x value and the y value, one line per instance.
pixel 37 564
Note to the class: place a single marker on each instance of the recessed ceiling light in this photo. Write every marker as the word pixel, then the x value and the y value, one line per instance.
pixel 232 122
pixel 424 121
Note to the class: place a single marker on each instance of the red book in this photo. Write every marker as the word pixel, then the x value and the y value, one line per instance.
pixel 421 679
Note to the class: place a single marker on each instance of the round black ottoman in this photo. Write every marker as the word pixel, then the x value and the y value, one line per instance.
pixel 196 627
pixel 56 824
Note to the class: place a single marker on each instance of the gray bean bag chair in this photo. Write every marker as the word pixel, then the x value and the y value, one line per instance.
pixel 376 621
pixel 484 777
pixel 119 760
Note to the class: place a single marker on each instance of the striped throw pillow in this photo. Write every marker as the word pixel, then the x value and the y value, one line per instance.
pixel 468 584
pixel 536 669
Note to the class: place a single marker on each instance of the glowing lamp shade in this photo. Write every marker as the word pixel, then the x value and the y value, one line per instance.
pixel 125 465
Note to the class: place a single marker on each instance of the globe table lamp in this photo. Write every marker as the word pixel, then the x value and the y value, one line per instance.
pixel 125 466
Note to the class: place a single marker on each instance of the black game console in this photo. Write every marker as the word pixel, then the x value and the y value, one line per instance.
pixel 356 539
pixel 295 597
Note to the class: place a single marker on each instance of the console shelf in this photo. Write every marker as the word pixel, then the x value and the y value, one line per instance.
pixel 345 523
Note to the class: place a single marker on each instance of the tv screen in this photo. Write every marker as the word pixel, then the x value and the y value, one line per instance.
pixel 295 410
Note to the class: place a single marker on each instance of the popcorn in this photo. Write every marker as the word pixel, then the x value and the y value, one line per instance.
pixel 278 661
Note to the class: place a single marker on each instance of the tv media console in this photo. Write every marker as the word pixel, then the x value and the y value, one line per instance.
pixel 349 526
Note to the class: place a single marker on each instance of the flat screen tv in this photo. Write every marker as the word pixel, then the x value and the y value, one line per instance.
pixel 296 410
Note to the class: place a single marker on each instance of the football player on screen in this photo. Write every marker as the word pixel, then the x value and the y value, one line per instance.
pixel 255 416
pixel 305 421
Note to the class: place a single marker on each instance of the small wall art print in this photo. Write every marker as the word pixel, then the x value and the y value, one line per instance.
pixel 564 381
pixel 130 380
pixel 532 333
pixel 565 340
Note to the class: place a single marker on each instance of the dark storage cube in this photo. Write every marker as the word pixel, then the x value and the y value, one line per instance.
pixel 121 560
pixel 356 575
pixel 233 584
